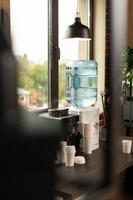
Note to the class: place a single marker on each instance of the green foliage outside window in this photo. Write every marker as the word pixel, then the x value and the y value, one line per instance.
pixel 127 68
pixel 33 77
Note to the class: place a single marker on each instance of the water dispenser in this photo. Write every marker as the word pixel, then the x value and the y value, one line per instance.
pixel 81 82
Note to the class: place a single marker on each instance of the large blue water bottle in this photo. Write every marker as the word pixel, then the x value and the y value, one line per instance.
pixel 81 82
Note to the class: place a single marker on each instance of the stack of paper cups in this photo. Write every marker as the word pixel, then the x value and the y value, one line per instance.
pixel 90 116
pixel 83 119
pixel 87 139
pixel 70 155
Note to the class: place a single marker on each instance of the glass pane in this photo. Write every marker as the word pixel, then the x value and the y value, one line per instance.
pixel 68 48
pixel 29 29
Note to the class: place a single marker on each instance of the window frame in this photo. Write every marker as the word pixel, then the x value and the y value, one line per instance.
pixel 53 54
pixel 53 48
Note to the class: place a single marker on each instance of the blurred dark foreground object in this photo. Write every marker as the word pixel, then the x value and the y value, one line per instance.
pixel 27 143
pixel 28 152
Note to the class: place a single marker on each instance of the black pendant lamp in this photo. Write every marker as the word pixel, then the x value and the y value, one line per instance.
pixel 78 30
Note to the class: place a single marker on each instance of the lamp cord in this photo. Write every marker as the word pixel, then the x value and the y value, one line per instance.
pixel 77 14
pixel 77 10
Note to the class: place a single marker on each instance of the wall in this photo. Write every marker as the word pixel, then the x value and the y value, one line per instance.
pixel 99 43
pixel 5 5
pixel 130 23
pixel 83 45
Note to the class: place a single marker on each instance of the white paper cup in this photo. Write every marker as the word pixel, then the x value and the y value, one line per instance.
pixel 87 143
pixel 70 155
pixel 126 146
pixel 61 156
pixel 63 144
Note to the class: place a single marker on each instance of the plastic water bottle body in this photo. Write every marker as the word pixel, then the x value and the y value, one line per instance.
pixel 81 85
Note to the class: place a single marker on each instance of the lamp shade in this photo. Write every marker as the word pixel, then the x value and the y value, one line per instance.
pixel 77 30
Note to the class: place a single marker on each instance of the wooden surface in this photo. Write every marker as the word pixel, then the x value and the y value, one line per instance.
pixel 92 170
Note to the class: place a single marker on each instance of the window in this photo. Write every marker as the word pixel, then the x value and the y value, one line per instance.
pixel 29 30
pixel 35 24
